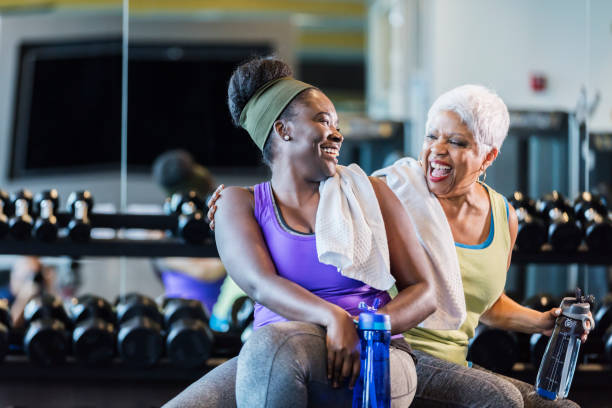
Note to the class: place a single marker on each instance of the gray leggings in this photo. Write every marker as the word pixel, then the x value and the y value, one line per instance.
pixel 445 384
pixel 285 365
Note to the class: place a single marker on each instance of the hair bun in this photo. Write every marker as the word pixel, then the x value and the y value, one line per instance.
pixel 248 78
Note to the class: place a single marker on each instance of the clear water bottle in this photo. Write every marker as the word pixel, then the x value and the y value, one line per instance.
pixel 559 362
pixel 373 389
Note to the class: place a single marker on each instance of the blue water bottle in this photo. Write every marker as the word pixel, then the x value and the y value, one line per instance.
pixel 559 360
pixel 373 389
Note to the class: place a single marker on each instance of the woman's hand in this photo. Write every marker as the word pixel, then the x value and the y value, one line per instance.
pixel 548 323
pixel 212 207
pixel 343 356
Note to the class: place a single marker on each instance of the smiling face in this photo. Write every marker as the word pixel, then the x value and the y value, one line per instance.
pixel 451 156
pixel 314 138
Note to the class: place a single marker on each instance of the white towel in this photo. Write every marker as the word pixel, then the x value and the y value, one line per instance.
pixel 350 230
pixel 405 177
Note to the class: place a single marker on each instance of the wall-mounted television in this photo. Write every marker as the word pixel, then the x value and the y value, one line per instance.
pixel 67 112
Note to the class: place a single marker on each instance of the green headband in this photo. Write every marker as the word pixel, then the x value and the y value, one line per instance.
pixel 267 104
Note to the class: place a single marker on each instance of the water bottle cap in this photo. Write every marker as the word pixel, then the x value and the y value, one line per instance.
pixel 579 308
pixel 374 321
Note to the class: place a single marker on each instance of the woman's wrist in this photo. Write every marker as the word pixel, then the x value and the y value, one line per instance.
pixel 334 315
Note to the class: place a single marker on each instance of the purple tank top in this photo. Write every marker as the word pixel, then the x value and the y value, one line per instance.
pixel 295 257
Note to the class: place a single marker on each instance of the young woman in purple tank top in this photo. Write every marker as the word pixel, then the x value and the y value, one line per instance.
pixel 265 239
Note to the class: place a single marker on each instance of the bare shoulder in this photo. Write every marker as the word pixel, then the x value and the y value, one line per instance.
pixel 512 219
pixel 384 194
pixel 239 197
pixel 381 188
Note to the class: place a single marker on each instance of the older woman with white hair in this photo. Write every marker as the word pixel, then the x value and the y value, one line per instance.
pixel 465 130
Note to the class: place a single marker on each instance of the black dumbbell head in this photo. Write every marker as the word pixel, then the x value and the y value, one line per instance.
pixel 531 236
pixel 51 195
pixel 91 306
pixel 80 196
pixel 564 237
pixel 46 306
pixel 607 344
pixel 177 308
pixel 193 228
pixel 6 211
pixel 598 237
pixel 46 341
pixel 4 225
pixel 520 200
pixel 603 317
pixel 587 200
pixel 178 199
pixel 79 231
pixel 5 327
pixel 553 200
pixel 22 195
pixel 242 313
pixel 189 343
pixel 140 342
pixel 93 341
pixel 21 226
pixel 6 200
pixel 135 304
pixel 46 229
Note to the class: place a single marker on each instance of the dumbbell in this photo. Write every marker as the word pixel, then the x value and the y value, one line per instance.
pixel 229 343
pixel 20 224
pixel 531 230
pixel 564 234
pixel 5 213
pixel 93 337
pixel 591 212
pixel 5 327
pixel 189 340
pixel 46 339
pixel 45 205
pixel 139 340
pixel 601 337
pixel 494 349
pixel 192 225
pixel 80 204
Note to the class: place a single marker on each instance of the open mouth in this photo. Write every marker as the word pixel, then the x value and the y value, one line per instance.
pixel 330 151
pixel 438 171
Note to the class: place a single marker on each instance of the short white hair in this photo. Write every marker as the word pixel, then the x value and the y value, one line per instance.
pixel 480 109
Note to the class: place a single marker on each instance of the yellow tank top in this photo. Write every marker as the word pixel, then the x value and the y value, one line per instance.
pixel 483 271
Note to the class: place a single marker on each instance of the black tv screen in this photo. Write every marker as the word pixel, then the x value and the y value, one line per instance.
pixel 68 106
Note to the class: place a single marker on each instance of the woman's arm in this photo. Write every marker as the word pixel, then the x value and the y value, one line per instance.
pixel 415 299
pixel 244 253
pixel 506 314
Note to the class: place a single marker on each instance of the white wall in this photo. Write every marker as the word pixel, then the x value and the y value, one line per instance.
pixel 601 62
pixel 498 43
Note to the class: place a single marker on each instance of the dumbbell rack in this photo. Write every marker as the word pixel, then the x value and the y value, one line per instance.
pixel 167 247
